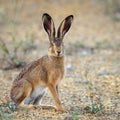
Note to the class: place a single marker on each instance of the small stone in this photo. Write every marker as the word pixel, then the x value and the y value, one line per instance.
pixel 72 109
pixel 68 117
pixel 83 53
pixel 103 72
pixel 70 67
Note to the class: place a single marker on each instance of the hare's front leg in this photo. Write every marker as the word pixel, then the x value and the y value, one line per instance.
pixel 54 91
pixel 57 89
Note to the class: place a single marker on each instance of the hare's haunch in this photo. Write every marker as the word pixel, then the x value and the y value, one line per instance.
pixel 47 72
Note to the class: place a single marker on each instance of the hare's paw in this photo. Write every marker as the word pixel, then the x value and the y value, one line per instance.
pixel 62 110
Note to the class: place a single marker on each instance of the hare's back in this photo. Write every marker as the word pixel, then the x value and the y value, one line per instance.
pixel 27 69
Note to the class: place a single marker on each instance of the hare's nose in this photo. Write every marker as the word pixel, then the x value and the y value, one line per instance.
pixel 58 53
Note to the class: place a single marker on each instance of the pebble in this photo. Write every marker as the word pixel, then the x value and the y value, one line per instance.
pixel 70 67
pixel 103 72
pixel 68 117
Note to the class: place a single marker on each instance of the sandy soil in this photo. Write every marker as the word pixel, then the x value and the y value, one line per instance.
pixel 92 58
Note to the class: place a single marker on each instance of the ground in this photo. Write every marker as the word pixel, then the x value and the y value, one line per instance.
pixel 91 87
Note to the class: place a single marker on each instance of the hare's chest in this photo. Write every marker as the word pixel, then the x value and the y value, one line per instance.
pixel 57 74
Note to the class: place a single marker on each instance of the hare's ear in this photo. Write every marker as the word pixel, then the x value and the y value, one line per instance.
pixel 65 26
pixel 48 24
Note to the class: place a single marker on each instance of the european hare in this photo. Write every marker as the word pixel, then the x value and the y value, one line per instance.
pixel 47 72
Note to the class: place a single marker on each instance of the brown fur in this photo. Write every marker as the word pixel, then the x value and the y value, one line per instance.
pixel 29 86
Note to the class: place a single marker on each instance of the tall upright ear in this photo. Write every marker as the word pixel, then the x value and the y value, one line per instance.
pixel 65 26
pixel 48 24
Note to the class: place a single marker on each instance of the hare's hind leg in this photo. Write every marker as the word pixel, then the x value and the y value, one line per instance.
pixel 20 92
pixel 23 98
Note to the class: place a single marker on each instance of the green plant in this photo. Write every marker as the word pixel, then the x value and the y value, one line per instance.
pixel 29 43
pixel 75 115
pixel 11 106
pixel 94 108
pixel 3 48
pixel 11 58
pixel 78 44
pixel 102 44
pixel 6 111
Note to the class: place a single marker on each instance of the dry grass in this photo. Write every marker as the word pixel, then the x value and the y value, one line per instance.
pixel 91 89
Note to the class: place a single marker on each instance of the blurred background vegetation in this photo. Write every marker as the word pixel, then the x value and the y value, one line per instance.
pixel 96 25
pixel 92 46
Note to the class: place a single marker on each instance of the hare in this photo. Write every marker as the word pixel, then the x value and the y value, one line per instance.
pixel 30 85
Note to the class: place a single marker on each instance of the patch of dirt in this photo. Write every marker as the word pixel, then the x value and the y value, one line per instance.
pixel 92 58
